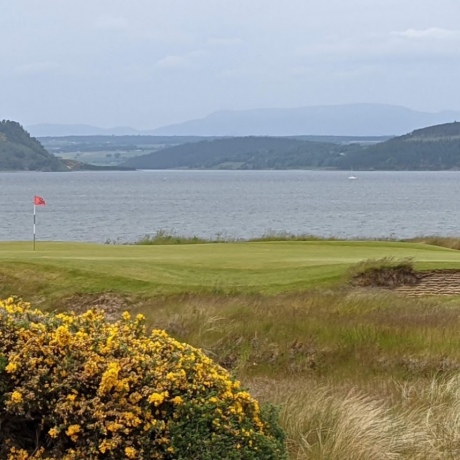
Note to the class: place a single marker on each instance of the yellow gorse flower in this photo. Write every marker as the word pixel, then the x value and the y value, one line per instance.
pixel 18 454
pixel 54 432
pixel 73 431
pixel 11 368
pixel 16 397
pixel 130 452
pixel 63 336
pixel 156 398
pixel 110 388
pixel 109 378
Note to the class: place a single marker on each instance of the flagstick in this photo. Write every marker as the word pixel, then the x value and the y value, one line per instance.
pixel 34 226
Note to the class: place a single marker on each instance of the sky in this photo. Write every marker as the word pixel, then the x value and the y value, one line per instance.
pixel 150 63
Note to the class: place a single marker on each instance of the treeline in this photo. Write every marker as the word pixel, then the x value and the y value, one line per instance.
pixel 446 130
pixel 432 148
pixel 245 153
pixel 409 156
pixel 65 144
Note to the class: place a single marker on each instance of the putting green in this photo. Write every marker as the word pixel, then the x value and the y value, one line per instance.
pixel 262 266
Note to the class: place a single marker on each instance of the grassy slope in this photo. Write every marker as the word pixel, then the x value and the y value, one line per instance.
pixel 57 269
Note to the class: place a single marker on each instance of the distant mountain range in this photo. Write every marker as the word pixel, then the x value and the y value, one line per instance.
pixel 58 130
pixel 336 120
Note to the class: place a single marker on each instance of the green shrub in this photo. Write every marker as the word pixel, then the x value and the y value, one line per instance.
pixel 78 387
pixel 385 272
pixel 163 237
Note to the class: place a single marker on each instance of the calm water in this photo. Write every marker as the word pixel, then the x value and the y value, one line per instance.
pixel 96 206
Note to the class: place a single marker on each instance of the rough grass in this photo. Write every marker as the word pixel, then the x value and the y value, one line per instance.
pixel 286 236
pixel 327 334
pixel 418 421
pixel 169 237
pixel 162 237
pixel 356 375
pixel 441 241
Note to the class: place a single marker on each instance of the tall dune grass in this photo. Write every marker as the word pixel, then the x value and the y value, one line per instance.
pixel 326 333
pixel 331 421
pixel 163 236
pixel 357 374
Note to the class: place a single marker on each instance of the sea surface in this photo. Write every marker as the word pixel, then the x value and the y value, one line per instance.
pixel 125 206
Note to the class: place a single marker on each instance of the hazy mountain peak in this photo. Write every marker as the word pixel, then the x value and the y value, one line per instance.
pixel 51 129
pixel 361 119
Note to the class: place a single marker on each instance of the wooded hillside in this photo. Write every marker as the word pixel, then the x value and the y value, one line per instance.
pixel 21 152
pixel 245 153
pixel 432 148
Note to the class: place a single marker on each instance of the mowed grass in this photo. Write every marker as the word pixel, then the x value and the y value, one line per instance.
pixel 266 268
pixel 357 374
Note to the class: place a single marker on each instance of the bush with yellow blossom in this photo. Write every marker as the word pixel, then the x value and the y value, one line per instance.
pixel 78 387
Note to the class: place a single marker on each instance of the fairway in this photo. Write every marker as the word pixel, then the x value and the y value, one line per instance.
pixel 264 267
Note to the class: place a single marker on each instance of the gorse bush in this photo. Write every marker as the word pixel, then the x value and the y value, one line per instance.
pixel 78 387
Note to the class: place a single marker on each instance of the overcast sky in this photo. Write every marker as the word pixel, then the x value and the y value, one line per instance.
pixel 148 63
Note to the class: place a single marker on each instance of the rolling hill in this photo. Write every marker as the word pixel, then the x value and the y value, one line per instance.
pixel 432 148
pixel 244 153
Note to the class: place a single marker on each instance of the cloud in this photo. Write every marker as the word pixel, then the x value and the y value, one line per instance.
pixel 406 46
pixel 174 62
pixel 431 33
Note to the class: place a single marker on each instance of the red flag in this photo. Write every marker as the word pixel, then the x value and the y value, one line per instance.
pixel 39 201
